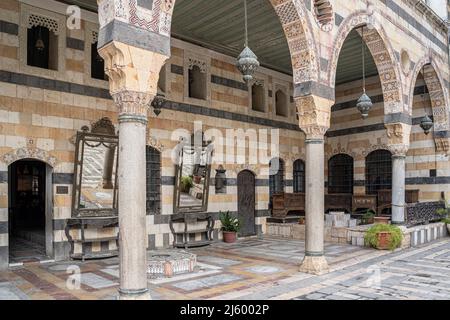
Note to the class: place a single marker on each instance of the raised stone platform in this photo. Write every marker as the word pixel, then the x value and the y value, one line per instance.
pixel 167 263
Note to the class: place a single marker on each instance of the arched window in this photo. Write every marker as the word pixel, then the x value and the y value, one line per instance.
pixel 258 101
pixel 340 174
pixel 153 181
pixel 197 83
pixel 378 171
pixel 276 177
pixel 281 103
pixel 97 64
pixel 42 48
pixel 299 176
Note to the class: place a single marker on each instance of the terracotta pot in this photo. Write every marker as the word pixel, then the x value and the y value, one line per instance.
pixel 384 238
pixel 229 237
pixel 381 220
pixel 301 221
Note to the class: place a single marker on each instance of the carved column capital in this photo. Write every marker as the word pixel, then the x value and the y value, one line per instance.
pixel 132 105
pixel 398 138
pixel 314 116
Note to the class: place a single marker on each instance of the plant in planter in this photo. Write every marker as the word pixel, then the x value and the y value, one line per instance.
pixel 384 237
pixel 445 214
pixel 368 217
pixel 230 227
pixel 301 220
pixel 186 184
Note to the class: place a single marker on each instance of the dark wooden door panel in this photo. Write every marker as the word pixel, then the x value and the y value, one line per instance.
pixel 246 203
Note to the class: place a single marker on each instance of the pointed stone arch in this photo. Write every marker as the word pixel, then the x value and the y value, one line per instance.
pixel 382 53
pixel 293 15
pixel 438 96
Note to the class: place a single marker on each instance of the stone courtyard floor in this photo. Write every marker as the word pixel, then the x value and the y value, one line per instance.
pixel 254 269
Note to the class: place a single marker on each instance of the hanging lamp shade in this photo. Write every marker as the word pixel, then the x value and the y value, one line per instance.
pixel 426 124
pixel 40 46
pixel 247 63
pixel 364 104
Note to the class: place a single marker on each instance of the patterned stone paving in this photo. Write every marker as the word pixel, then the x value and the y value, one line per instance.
pixel 253 269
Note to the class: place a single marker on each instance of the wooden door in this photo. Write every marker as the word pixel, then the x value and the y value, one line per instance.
pixel 246 203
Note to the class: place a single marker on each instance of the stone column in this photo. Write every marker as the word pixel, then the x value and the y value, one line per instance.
pixel 398 143
pixel 314 117
pixel 133 75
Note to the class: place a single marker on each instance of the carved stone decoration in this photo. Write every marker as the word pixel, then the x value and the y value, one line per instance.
pixel 323 11
pixel 132 105
pixel 442 145
pixel 398 138
pixel 195 62
pixel 250 167
pixel 38 20
pixel 103 126
pixel 155 143
pixel 314 116
pixel 29 153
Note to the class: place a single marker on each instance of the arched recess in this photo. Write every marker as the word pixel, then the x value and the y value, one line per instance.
pixel 294 18
pixel 382 53
pixel 438 95
pixel 340 174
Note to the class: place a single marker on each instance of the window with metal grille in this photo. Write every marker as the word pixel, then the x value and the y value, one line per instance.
pixel 340 174
pixel 153 157
pixel 276 177
pixel 299 176
pixel 378 171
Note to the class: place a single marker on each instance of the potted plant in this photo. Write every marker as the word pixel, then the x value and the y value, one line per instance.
pixel 230 227
pixel 445 214
pixel 186 184
pixel 368 217
pixel 384 237
pixel 301 220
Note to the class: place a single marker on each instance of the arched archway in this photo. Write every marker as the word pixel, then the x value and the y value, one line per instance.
pixel 299 175
pixel 383 56
pixel 378 171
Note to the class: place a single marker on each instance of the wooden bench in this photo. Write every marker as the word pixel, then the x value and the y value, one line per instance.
pixel 385 199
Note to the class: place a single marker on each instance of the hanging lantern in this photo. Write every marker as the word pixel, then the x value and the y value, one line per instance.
pixel 426 124
pixel 40 46
pixel 247 62
pixel 158 103
pixel 364 103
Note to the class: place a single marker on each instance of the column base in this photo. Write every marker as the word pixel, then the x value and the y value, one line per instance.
pixel 314 265
pixel 143 294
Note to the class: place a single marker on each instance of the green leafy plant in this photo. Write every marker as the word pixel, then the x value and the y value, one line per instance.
pixel 445 214
pixel 229 223
pixel 371 236
pixel 368 216
pixel 186 183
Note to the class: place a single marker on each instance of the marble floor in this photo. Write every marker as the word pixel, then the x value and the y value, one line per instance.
pixel 252 269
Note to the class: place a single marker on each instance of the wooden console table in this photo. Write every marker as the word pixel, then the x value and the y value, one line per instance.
pixel 192 219
pixel 84 223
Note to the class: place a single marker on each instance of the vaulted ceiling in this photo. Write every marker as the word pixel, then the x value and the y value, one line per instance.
pixel 219 25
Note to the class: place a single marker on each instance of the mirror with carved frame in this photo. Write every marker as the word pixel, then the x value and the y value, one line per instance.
pixel 95 173
pixel 192 175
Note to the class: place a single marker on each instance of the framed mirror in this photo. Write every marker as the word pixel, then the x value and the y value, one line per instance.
pixel 192 175
pixel 95 173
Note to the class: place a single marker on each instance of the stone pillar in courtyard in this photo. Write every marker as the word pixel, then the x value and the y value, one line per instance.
pixel 314 116
pixel 134 53
pixel 398 144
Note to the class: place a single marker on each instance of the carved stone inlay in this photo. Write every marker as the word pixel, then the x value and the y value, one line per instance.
pixel 29 153
pixel 37 20
pixel 201 64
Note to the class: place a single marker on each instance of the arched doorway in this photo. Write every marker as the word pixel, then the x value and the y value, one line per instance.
pixel 246 203
pixel 340 174
pixel 30 211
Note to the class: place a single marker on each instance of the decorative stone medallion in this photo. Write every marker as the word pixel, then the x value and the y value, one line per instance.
pixel 167 263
